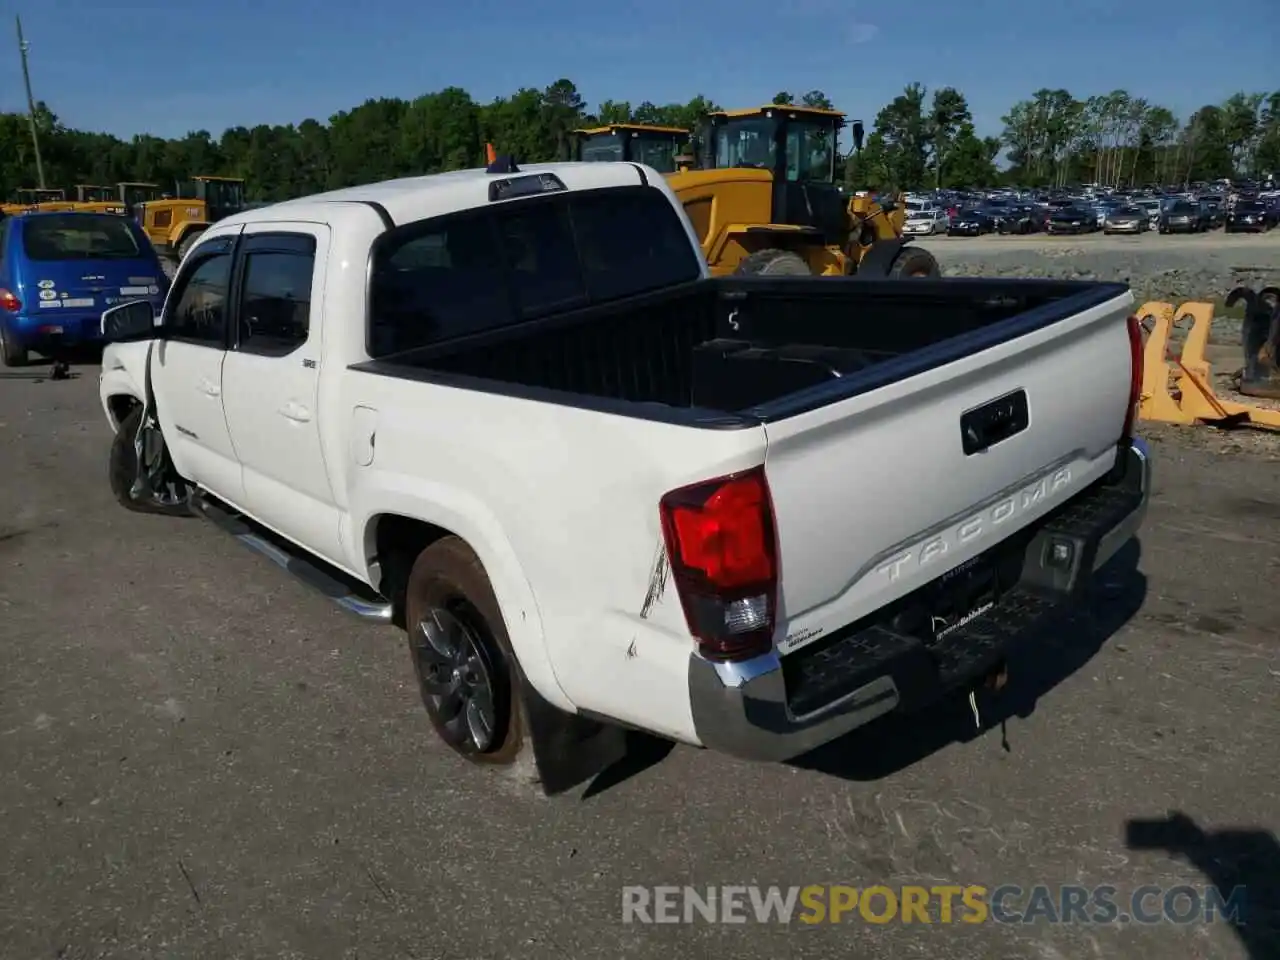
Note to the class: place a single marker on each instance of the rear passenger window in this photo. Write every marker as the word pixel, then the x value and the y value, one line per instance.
pixel 540 252
pixel 630 242
pixel 275 298
pixel 466 274
pixel 437 283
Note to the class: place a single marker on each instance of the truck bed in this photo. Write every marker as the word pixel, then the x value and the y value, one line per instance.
pixel 746 350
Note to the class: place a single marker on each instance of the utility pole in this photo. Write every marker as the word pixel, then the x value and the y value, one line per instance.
pixel 31 103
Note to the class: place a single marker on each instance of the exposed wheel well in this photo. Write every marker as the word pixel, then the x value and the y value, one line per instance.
pixel 121 405
pixel 397 541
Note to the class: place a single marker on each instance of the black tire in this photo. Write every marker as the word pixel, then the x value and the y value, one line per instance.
pixel 459 646
pixel 773 263
pixel 122 469
pixel 914 263
pixel 189 241
pixel 11 354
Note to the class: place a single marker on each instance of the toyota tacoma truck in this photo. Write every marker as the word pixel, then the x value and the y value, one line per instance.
pixel 509 411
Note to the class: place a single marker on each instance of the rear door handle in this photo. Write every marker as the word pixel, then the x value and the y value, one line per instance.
pixel 209 388
pixel 296 412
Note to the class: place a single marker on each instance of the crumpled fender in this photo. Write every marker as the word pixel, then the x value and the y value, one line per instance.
pixel 124 373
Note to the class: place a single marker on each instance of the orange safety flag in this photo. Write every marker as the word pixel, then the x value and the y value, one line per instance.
pixel 489 155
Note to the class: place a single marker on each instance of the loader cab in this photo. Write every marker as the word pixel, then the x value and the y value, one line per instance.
pixel 33 196
pixel 652 145
pixel 221 196
pixel 132 195
pixel 92 193
pixel 798 146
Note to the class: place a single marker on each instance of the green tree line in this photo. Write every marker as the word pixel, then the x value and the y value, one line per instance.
pixel 921 139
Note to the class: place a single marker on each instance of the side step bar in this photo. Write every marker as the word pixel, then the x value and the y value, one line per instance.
pixel 354 598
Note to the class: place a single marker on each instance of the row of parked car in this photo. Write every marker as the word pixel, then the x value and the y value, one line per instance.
pixel 975 216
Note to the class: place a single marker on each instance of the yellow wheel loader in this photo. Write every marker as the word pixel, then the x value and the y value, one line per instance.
pixel 655 146
pixel 97 199
pixel 765 200
pixel 174 224
pixel 49 200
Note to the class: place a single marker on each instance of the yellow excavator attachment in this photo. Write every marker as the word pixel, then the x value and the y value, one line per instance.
pixel 1181 390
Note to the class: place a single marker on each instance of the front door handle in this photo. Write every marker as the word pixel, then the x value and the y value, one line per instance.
pixel 296 412
pixel 209 388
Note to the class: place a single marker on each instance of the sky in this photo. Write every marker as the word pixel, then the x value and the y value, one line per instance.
pixel 170 66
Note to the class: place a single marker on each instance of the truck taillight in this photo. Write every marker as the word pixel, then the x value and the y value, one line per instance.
pixel 1135 374
pixel 9 302
pixel 720 542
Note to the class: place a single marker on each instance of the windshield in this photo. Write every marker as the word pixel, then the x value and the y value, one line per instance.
pixel 659 153
pixel 601 148
pixel 79 236
pixel 1130 212
pixel 746 143
pixel 135 193
pixel 810 152
pixel 1249 206
pixel 1180 208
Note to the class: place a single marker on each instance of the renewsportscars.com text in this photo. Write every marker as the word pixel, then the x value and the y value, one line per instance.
pixel 972 904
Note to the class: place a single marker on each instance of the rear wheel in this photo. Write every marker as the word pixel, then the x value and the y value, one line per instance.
pixel 913 263
pixel 12 353
pixel 466 670
pixel 773 263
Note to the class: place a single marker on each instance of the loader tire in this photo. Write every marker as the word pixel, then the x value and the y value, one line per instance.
pixel 773 263
pixel 189 241
pixel 467 673
pixel 914 263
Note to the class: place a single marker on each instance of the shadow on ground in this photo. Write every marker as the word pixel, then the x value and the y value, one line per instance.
pixel 1240 859
pixel 1038 664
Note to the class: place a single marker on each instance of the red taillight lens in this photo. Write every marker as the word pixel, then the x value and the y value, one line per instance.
pixel 720 542
pixel 1135 374
pixel 9 302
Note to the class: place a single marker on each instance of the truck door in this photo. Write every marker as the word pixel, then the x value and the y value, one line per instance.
pixel 271 382
pixel 186 370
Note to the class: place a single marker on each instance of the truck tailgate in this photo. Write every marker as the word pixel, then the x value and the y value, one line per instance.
pixel 875 495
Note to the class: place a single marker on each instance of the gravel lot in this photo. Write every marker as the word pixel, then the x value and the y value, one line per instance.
pixel 1169 268
pixel 203 759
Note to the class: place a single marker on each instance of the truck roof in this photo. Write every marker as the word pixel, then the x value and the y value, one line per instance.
pixel 416 198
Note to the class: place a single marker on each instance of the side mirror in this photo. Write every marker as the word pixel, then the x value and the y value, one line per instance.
pixel 130 322
pixel 858 133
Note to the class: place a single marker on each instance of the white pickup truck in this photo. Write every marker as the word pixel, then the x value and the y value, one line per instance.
pixel 510 411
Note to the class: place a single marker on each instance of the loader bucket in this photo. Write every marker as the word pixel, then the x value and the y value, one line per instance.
pixel 1180 390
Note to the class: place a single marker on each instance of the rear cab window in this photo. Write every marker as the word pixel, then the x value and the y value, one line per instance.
pixel 80 236
pixel 482 270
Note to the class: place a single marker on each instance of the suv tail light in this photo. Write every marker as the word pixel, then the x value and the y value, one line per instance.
pixel 9 302
pixel 720 542
pixel 1135 374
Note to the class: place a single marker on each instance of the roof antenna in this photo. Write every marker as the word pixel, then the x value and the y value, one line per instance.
pixel 497 164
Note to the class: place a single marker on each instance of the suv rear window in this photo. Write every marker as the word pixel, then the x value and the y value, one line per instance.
pixel 464 274
pixel 78 236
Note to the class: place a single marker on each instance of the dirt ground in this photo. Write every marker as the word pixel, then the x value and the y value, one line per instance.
pixel 202 758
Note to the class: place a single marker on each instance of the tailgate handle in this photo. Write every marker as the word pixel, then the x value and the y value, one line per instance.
pixel 983 427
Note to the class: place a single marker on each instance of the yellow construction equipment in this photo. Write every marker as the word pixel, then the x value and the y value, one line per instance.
pixel 1180 389
pixel 653 145
pixel 97 199
pixel 35 198
pixel 174 224
pixel 766 200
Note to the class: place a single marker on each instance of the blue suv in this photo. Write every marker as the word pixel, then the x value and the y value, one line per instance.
pixel 59 271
